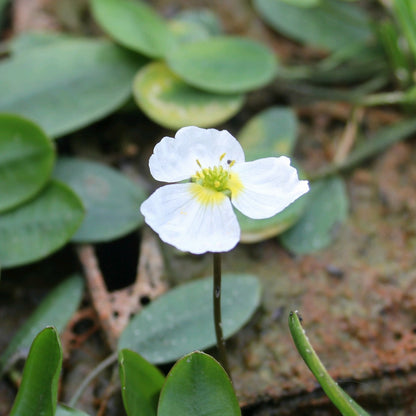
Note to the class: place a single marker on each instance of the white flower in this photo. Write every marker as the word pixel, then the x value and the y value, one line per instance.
pixel 197 215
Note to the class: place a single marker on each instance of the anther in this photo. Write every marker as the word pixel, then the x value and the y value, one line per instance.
pixel 199 163
pixel 222 157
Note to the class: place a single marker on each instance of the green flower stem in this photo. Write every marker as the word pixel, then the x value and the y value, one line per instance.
pixel 217 313
pixel 110 360
pixel 345 404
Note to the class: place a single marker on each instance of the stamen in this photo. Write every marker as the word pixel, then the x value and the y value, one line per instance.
pixel 217 178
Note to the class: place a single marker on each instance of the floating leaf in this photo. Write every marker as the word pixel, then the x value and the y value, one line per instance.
pixel 224 64
pixel 273 132
pixel 331 24
pixel 141 383
pixel 38 392
pixel 327 207
pixel 111 199
pixel 55 310
pixel 36 229
pixel 345 404
pixel 26 160
pixel 135 25
pixel 166 329
pixel 166 99
pixel 63 410
pixel 69 85
pixel 198 385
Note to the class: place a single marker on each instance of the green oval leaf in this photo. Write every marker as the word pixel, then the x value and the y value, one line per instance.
pixel 197 385
pixel 25 42
pixel 111 199
pixel 272 132
pixel 63 410
pixel 55 310
pixel 69 85
pixel 36 229
pixel 331 24
pixel 166 330
pixel 327 207
pixel 141 383
pixel 135 25
pixel 224 64
pixel 167 100
pixel 38 392
pixel 204 18
pixel 194 25
pixel 26 160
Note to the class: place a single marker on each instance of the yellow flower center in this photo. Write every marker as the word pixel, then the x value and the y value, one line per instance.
pixel 212 185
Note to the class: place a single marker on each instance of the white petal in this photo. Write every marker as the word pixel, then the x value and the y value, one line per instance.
pixel 180 220
pixel 269 186
pixel 175 159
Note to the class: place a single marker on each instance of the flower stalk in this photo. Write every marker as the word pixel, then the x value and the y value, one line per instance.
pixel 217 313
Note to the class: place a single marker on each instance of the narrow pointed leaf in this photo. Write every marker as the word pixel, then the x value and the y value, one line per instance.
pixel 371 146
pixel 345 404
pixel 141 383
pixel 38 391
pixel 197 385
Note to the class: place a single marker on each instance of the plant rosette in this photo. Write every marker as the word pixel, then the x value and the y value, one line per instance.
pixel 208 175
